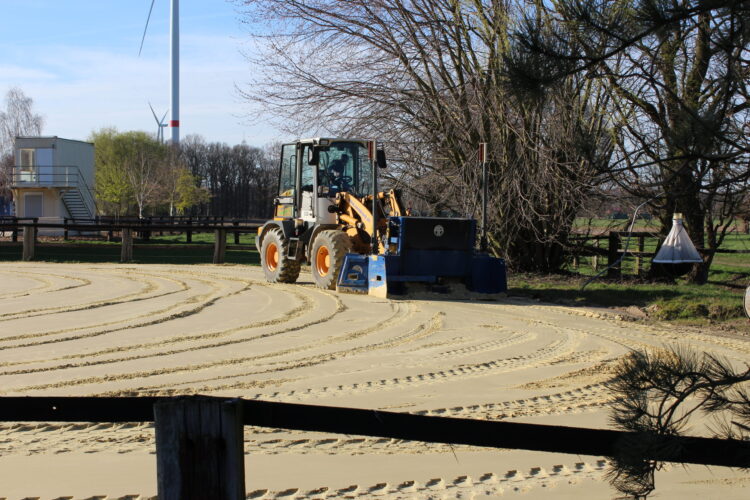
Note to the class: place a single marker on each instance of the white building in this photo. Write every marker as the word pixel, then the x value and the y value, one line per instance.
pixel 53 179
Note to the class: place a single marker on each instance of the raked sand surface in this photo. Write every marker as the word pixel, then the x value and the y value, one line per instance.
pixel 87 329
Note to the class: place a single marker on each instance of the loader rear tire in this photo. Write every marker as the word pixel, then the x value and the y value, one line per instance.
pixel 276 266
pixel 327 257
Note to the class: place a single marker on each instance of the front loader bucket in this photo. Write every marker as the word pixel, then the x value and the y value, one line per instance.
pixel 353 277
pixel 363 274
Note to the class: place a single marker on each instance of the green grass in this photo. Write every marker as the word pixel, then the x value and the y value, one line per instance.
pixel 720 301
pixel 582 225
pixel 201 238
pixel 682 302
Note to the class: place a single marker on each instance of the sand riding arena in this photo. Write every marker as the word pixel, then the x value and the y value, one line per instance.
pixel 124 330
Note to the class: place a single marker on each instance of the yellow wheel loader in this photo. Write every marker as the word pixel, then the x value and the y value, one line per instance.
pixel 330 214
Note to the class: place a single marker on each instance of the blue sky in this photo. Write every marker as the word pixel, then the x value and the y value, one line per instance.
pixel 78 60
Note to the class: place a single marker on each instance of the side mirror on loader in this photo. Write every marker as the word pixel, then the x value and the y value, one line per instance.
pixel 313 156
pixel 380 158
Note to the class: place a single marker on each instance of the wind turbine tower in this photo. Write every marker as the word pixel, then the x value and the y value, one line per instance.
pixel 175 73
pixel 174 50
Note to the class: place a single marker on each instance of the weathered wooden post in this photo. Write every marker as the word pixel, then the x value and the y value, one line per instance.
pixel 220 245
pixel 199 449
pixel 638 257
pixel 65 229
pixel 595 260
pixel 236 233
pixel 29 242
pixel 126 254
pixel 615 271
pixel 189 233
pixel 147 233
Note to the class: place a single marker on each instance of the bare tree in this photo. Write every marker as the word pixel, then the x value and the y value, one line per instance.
pixel 16 119
pixel 143 169
pixel 426 76
pixel 242 180
pixel 676 77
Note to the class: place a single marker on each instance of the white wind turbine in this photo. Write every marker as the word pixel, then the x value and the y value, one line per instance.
pixel 174 49
pixel 159 123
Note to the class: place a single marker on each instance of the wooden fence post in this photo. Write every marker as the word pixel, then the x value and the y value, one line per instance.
pixel 639 258
pixel 65 231
pixel 614 272
pixel 199 449
pixel 189 234
pixel 595 260
pixel 236 233
pixel 220 245
pixel 29 242
pixel 147 233
pixel 126 254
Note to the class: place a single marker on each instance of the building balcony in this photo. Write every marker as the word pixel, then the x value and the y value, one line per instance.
pixel 48 177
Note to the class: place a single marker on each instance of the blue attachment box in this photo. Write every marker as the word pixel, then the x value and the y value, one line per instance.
pixel 425 249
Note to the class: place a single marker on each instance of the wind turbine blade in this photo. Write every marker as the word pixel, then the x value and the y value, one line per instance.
pixel 162 118
pixel 143 39
pixel 153 113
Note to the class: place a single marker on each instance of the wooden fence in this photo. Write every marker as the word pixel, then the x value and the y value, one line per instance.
pixel 199 440
pixel 591 247
pixel 127 227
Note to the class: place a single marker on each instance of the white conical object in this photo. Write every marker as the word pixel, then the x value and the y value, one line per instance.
pixel 677 248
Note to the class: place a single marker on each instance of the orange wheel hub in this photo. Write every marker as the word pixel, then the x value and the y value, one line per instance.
pixel 272 257
pixel 323 261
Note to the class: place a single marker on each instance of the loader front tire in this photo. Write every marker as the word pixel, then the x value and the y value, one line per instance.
pixel 276 266
pixel 327 257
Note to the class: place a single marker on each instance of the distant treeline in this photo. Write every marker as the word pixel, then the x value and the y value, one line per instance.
pixel 242 180
pixel 137 175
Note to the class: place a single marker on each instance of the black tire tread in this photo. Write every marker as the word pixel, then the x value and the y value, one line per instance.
pixel 288 269
pixel 339 245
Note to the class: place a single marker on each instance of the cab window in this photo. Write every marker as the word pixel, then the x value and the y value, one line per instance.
pixel 288 170
pixel 344 167
pixel 307 169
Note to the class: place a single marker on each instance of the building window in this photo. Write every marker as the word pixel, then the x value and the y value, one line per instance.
pixel 27 158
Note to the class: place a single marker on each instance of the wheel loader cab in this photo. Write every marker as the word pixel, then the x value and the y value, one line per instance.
pixel 307 224
pixel 314 171
pixel 342 167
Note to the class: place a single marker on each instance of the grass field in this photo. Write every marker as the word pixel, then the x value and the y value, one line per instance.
pixel 718 301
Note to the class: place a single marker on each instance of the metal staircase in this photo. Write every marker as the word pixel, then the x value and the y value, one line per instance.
pixel 76 205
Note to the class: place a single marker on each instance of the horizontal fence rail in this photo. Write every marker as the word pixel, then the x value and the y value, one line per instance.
pixel 220 227
pixel 615 251
pixel 135 226
pixel 376 423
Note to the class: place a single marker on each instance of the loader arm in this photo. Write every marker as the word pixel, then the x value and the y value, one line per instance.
pixel 356 217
